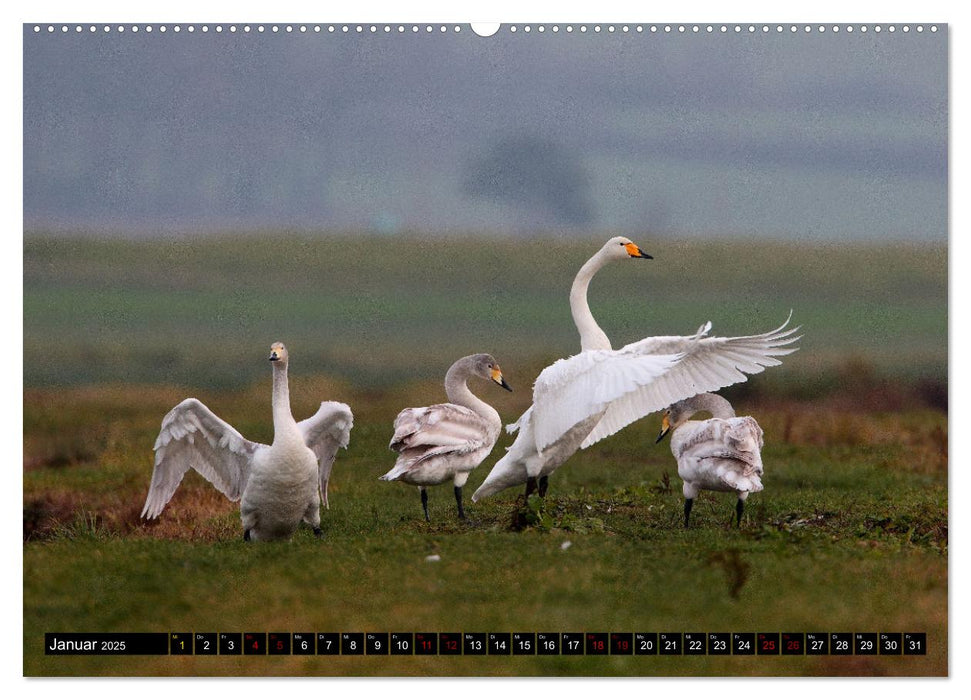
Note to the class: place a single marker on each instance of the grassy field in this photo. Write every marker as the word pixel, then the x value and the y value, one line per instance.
pixel 850 533
pixel 382 311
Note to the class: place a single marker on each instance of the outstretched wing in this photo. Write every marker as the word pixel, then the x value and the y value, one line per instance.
pixel 193 437
pixel 704 364
pixel 572 390
pixel 325 432
pixel 422 433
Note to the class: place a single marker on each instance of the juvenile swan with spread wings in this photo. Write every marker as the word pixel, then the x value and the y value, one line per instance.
pixel 722 453
pixel 448 440
pixel 590 396
pixel 279 484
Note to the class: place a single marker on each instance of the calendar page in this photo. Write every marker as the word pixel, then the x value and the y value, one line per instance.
pixel 543 349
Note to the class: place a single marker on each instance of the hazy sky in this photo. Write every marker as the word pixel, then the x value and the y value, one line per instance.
pixel 815 135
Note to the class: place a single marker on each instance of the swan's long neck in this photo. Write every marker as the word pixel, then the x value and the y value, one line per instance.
pixel 717 406
pixel 592 336
pixel 458 392
pixel 283 423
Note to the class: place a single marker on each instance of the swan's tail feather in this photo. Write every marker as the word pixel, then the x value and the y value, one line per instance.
pixel 508 472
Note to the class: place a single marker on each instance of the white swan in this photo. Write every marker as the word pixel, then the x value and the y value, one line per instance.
pixel 448 440
pixel 722 453
pixel 583 399
pixel 279 484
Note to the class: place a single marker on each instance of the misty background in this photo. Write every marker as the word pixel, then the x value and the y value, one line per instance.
pixel 802 136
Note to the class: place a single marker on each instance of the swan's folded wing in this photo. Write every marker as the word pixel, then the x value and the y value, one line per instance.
pixel 702 440
pixel 706 364
pixel 193 437
pixel 572 390
pixel 441 425
pixel 734 471
pixel 324 433
pixel 737 438
pixel 423 433
pixel 744 435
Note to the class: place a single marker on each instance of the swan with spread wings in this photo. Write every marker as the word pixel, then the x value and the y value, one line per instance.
pixel 583 399
pixel 278 485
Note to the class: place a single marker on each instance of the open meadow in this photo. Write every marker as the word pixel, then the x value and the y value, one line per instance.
pixel 850 533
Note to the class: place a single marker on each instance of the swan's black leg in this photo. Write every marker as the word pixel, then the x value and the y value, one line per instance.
pixel 544 484
pixel 246 537
pixel 458 502
pixel 530 486
pixel 424 503
pixel 738 512
pixel 318 533
pixel 688 502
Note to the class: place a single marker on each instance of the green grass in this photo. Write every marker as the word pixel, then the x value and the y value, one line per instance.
pixel 849 535
pixel 380 311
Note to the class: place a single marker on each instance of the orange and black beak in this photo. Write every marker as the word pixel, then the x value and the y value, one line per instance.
pixel 635 252
pixel 665 428
pixel 498 379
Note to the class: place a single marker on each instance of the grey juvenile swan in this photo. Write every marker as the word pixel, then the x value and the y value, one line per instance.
pixel 722 453
pixel 277 485
pixel 448 440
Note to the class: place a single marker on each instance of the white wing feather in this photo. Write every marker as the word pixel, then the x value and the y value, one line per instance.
pixel 325 432
pixel 193 437
pixel 570 391
pixel 705 364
